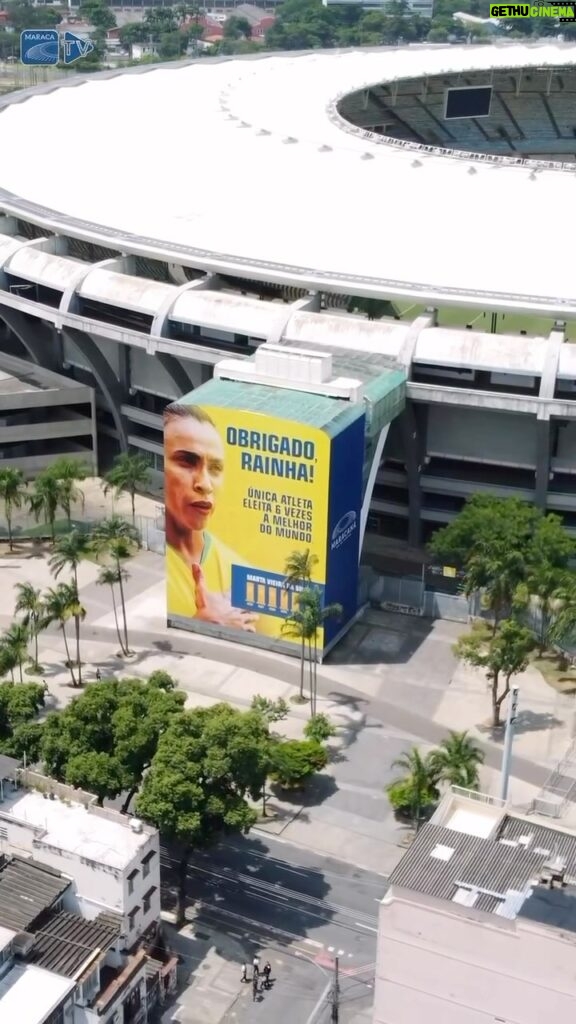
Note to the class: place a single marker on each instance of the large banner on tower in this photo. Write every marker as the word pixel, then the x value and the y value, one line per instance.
pixel 244 491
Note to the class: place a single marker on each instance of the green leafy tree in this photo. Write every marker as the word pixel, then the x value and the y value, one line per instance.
pixel 25 742
pixel 24 702
pixel 45 499
pixel 416 788
pixel 12 493
pixel 70 549
pixel 116 540
pixel 299 568
pixel 96 773
pixel 100 15
pixel 503 655
pixel 457 761
pixel 30 605
pixel 207 763
pixel 271 710
pixel 319 728
pixel 293 762
pixel 121 721
pixel 62 604
pixel 8 659
pixel 15 643
pixel 237 28
pixel 498 543
pixel 130 472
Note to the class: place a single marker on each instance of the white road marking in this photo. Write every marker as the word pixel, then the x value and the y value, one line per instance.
pixel 312 942
pixel 366 926
pixel 340 952
pixel 331 949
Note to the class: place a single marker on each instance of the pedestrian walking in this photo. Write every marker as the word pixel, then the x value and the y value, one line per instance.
pixel 98 675
pixel 256 966
pixel 244 975
pixel 254 987
pixel 266 971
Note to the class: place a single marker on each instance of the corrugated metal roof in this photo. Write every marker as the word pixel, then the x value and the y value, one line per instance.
pixel 27 890
pixel 545 842
pixel 475 862
pixel 329 414
pixel 66 941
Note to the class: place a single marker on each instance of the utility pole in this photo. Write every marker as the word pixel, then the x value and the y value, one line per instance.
pixel 507 754
pixel 335 996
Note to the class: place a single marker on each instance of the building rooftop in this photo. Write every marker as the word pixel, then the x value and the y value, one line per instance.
pixel 16 376
pixel 8 766
pixel 27 890
pixel 67 942
pixel 276 117
pixel 509 869
pixel 28 994
pixel 73 828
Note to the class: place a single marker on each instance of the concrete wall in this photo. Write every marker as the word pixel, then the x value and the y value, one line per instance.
pixel 438 963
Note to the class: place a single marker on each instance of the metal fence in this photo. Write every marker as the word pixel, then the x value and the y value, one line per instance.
pixel 26 527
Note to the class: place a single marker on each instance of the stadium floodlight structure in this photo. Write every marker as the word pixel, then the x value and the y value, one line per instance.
pixel 167 218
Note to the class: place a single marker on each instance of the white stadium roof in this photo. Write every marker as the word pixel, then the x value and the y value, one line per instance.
pixel 244 166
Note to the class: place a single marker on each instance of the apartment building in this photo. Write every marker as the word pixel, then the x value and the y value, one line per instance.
pixel 114 861
pixel 479 922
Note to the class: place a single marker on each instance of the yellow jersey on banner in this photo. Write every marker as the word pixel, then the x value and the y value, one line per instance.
pixel 216 564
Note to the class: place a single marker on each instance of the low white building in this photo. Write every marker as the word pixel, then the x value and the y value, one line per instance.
pixel 30 995
pixel 479 922
pixel 114 861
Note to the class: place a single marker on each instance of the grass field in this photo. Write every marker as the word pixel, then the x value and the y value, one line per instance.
pixel 506 323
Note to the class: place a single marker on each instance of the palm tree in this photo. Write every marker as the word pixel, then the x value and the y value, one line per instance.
pixel 15 642
pixel 12 493
pixel 457 760
pixel 416 788
pixel 118 540
pixel 8 660
pixel 109 576
pixel 314 617
pixel 29 602
pixel 129 473
pixel 298 626
pixel 45 499
pixel 62 604
pixel 69 550
pixel 69 472
pixel 299 567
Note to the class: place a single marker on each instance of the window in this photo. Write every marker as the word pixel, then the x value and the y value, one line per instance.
pixel 146 863
pixel 147 899
pixel 132 917
pixel 131 879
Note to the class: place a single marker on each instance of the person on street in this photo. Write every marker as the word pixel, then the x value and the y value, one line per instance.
pixel 256 966
pixel 244 975
pixel 98 675
pixel 254 987
pixel 267 970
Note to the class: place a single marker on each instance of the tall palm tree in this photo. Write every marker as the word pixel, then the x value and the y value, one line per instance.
pixel 299 567
pixel 29 602
pixel 417 785
pixel 129 473
pixel 110 576
pixel 45 499
pixel 117 540
pixel 15 641
pixel 69 472
pixel 298 627
pixel 12 494
pixel 69 550
pixel 457 760
pixel 8 659
pixel 62 604
pixel 315 616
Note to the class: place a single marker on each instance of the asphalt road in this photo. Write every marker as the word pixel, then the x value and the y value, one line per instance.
pixel 314 907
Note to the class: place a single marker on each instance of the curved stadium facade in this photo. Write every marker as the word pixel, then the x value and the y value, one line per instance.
pixel 157 221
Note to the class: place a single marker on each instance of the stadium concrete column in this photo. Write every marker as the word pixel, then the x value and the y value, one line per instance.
pixel 183 383
pixel 414 427
pixel 556 339
pixel 38 338
pixel 108 383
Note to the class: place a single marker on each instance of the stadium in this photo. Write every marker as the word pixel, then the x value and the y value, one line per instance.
pixel 406 205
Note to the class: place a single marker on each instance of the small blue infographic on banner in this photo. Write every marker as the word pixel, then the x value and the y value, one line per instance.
pixel 41 47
